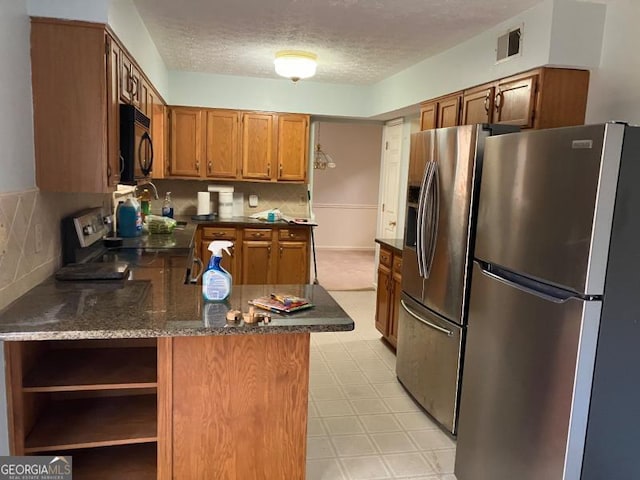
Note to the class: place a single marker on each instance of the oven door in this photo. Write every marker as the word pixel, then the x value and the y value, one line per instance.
pixel 428 360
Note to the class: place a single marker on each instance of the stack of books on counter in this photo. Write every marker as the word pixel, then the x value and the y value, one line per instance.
pixel 281 303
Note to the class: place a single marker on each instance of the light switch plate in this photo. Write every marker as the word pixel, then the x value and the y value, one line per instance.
pixel 253 201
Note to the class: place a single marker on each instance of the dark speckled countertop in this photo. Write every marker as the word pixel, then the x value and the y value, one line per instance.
pixel 395 244
pixel 242 222
pixel 154 302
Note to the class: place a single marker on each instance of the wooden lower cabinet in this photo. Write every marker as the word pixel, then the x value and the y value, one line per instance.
pixel 229 406
pixel 261 255
pixel 239 406
pixel 388 294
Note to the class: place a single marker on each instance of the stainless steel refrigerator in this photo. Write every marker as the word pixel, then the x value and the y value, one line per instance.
pixel 551 388
pixel 444 171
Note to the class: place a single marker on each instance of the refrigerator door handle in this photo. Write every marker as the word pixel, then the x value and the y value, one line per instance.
pixel 433 218
pixel 426 219
pixel 420 220
pixel 551 294
pixel 422 320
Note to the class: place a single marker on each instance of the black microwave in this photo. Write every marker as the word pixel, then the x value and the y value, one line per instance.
pixel 136 146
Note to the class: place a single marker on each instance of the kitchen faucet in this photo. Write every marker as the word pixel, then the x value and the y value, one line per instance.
pixel 144 184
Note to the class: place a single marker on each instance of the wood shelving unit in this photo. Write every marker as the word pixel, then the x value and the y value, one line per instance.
pixel 96 400
pixel 116 463
pixel 93 369
pixel 94 422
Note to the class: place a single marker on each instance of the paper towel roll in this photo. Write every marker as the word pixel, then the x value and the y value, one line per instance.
pixel 225 204
pixel 204 203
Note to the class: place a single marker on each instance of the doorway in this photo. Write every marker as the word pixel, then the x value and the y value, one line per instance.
pixel 345 203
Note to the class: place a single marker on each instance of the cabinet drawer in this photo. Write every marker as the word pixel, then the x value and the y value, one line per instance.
pixel 257 233
pixel 397 264
pixel 219 233
pixel 385 257
pixel 293 234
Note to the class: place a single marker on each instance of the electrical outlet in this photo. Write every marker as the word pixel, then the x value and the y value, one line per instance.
pixel 302 200
pixel 38 234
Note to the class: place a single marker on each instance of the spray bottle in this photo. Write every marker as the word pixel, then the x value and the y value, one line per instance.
pixel 216 281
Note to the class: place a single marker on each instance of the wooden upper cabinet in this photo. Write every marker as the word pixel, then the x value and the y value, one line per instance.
pixel 187 151
pixel 515 101
pixel 222 144
pixel 477 105
pixel 428 115
pixel 258 146
pixel 293 141
pixel 113 112
pixel 449 111
pixel 71 67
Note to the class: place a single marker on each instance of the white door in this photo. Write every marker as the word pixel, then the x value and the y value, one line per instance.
pixel 390 179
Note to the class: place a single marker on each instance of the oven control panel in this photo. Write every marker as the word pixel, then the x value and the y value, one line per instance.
pixel 90 226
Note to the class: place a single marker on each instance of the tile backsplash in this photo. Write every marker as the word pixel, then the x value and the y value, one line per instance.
pixel 290 199
pixel 21 267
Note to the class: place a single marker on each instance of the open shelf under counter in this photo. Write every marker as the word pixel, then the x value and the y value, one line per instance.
pixel 94 422
pixel 61 370
pixel 116 463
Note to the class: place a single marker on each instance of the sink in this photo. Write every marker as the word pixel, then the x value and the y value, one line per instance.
pixel 181 224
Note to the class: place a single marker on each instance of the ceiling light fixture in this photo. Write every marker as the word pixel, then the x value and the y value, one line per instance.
pixel 295 65
pixel 321 160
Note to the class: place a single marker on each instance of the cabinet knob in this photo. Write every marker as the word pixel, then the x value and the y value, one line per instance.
pixel 209 166
pixel 486 102
pixel 280 170
pixel 269 169
pixel 281 251
pixel 197 166
pixel 269 251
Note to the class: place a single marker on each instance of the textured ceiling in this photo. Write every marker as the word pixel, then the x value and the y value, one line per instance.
pixel 357 41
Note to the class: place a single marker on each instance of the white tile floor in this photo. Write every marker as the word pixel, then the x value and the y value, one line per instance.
pixel 362 424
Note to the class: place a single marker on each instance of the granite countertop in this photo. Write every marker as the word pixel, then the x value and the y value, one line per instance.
pixel 154 302
pixel 243 222
pixel 395 244
pixel 182 238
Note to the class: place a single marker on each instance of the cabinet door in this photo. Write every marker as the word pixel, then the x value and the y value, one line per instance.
pixel 383 299
pixel 448 111
pixel 113 112
pixel 515 101
pixel 186 142
pixel 257 146
pixel 477 105
pixel 257 264
pixel 145 106
pixel 126 80
pixel 428 113
pixel 222 144
pixel 394 307
pixel 293 263
pixel 293 145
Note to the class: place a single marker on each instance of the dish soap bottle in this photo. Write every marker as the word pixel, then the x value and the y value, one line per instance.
pixel 129 218
pixel 167 206
pixel 216 281
pixel 145 205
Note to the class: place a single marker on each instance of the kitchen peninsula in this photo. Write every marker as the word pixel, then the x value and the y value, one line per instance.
pixel 140 378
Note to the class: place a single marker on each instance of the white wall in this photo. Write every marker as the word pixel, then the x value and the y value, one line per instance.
pixel 87 10
pixel 614 92
pixel 125 21
pixel 248 93
pixel 17 165
pixel 345 198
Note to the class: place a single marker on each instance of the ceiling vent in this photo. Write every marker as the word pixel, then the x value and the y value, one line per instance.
pixel 509 44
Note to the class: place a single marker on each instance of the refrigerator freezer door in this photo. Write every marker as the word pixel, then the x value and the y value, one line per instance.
pixel 527 381
pixel 546 204
pixel 422 151
pixel 444 289
pixel 428 362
